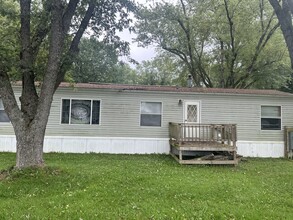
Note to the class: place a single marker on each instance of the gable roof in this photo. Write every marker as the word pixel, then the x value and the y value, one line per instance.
pixel 176 89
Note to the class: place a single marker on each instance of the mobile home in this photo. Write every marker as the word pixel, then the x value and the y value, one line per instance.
pixel 135 119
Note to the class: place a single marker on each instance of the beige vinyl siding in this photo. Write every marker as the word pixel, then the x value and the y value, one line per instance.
pixel 120 113
pixel 245 111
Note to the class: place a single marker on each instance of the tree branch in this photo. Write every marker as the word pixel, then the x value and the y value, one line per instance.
pixel 290 5
pixel 68 14
pixel 183 7
pixel 189 46
pixel 73 50
pixel 263 40
pixel 43 27
pixel 177 52
pixel 55 53
pixel 29 97
pixel 42 31
pixel 230 80
pixel 261 9
pixel 284 15
pixel 8 98
pixel 249 84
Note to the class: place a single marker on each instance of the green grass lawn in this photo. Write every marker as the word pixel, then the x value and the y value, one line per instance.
pixel 101 186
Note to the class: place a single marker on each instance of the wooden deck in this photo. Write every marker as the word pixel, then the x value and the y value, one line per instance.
pixel 203 137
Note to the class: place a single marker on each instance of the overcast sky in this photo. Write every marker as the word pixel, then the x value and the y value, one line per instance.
pixel 139 53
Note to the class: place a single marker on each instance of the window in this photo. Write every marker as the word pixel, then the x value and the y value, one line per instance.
pixel 3 115
pixel 150 114
pixel 77 111
pixel 270 117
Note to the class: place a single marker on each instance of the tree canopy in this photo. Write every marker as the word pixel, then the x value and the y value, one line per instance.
pixel 233 44
pixel 50 32
pixel 161 70
pixel 284 12
pixel 99 62
pixel 9 42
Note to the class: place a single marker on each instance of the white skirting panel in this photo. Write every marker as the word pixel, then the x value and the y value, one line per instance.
pixel 106 145
pixel 261 149
pixel 117 145
pixel 7 143
pixel 112 145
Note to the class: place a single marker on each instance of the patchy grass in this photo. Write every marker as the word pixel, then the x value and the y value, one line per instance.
pixel 101 186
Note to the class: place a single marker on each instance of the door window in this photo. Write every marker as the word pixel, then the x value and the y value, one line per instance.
pixel 191 112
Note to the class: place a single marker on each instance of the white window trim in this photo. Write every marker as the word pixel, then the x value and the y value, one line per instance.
pixel 144 126
pixel 280 117
pixel 78 98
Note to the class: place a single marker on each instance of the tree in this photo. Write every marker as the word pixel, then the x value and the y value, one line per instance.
pixel 174 29
pixel 227 43
pixel 99 62
pixel 57 25
pixel 284 12
pixel 161 70
pixel 95 61
pixel 9 11
pixel 249 51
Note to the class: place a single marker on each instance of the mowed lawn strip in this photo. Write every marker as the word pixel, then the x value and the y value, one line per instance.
pixel 102 186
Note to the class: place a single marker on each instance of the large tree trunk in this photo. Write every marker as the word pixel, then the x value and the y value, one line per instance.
pixel 284 13
pixel 30 119
pixel 30 126
pixel 30 135
pixel 29 148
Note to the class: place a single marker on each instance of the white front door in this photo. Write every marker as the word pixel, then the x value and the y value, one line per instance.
pixel 191 112
pixel 192 117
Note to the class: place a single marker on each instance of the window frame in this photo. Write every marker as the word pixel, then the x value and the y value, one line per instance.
pixel 271 117
pixel 4 122
pixel 70 103
pixel 161 114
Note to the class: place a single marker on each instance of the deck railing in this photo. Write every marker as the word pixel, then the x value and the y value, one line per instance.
pixel 225 134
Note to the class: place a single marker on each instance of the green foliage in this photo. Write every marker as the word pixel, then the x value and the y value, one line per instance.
pixel 161 70
pixel 125 74
pixel 100 186
pixel 266 64
pixel 289 85
pixel 227 43
pixel 98 62
pixel 108 18
pixel 95 61
pixel 284 12
pixel 9 37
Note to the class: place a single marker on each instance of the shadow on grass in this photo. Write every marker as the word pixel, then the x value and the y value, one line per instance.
pixel 12 173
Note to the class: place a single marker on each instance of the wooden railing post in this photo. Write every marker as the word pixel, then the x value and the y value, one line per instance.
pixel 225 134
pixel 181 132
pixel 212 128
pixel 203 137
